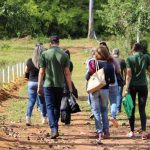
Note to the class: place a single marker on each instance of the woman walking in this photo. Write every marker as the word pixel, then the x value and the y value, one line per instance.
pixel 136 83
pixel 32 67
pixel 113 89
pixel 99 99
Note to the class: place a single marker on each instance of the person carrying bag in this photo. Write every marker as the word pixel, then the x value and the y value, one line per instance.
pixel 98 89
pixel 97 80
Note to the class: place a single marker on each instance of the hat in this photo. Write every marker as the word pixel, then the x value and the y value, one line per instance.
pixel 54 38
pixel 115 51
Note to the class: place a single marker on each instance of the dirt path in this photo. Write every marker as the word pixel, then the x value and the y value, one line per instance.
pixel 80 135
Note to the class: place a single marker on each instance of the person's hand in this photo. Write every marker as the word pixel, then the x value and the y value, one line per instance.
pixel 70 92
pixel 126 91
pixel 39 91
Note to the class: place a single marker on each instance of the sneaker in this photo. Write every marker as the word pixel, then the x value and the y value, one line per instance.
pixel 130 134
pixel 28 121
pixel 114 122
pixel 44 120
pixel 98 140
pixel 106 134
pixel 144 136
pixel 91 116
pixel 54 135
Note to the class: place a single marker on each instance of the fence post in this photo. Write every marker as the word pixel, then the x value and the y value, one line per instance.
pixel 3 76
pixel 8 75
pixel 23 67
pixel 13 74
pixel 17 70
pixel 20 69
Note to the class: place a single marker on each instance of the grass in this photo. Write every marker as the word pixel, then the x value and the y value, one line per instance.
pixel 22 49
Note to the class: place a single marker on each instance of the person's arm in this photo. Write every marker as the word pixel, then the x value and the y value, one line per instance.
pixel 148 69
pixel 117 66
pixel 124 73
pixel 40 80
pixel 26 69
pixel 26 72
pixel 128 79
pixel 68 78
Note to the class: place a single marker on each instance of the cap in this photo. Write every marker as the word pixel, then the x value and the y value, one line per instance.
pixel 54 38
pixel 115 51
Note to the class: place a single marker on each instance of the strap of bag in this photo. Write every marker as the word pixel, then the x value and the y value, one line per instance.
pixel 96 65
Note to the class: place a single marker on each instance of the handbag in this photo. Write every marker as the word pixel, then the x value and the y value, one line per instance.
pixel 128 105
pixel 74 107
pixel 97 80
pixel 64 104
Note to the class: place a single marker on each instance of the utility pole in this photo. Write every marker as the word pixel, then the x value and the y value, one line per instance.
pixel 139 24
pixel 91 20
pixel 138 31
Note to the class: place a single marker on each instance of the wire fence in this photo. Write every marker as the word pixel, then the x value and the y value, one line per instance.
pixel 10 73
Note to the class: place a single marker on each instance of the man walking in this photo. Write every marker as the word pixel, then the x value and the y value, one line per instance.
pixel 121 62
pixel 54 68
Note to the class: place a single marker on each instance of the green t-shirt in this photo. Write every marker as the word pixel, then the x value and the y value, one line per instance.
pixel 54 61
pixel 138 63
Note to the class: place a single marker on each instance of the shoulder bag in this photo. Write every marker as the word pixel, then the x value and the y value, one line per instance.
pixel 97 80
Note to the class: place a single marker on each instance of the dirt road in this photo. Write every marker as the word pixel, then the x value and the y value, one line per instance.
pixel 79 135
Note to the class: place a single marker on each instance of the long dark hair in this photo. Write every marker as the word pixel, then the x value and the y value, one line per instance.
pixel 136 47
pixel 103 43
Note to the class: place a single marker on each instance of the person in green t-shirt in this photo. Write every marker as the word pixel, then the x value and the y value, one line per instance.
pixel 136 83
pixel 54 67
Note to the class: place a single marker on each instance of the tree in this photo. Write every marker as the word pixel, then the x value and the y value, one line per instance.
pixel 91 19
pixel 122 17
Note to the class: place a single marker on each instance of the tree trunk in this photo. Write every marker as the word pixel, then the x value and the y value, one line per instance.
pixel 138 31
pixel 91 20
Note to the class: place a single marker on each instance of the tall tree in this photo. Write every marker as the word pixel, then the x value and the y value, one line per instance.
pixel 91 19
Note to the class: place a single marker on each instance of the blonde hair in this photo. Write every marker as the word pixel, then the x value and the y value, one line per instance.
pixel 36 54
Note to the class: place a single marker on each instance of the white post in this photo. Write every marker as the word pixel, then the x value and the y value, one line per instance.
pixel 91 20
pixel 20 69
pixel 8 71
pixel 13 74
pixel 23 67
pixel 3 76
pixel 17 70
pixel 138 31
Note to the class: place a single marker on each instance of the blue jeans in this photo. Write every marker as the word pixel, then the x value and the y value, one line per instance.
pixel 99 105
pixel 113 92
pixel 32 93
pixel 53 97
pixel 119 98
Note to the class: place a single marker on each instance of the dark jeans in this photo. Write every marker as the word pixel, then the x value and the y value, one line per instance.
pixel 119 98
pixel 142 92
pixel 53 96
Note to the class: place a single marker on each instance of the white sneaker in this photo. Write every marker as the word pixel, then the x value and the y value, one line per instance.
pixel 28 121
pixel 44 120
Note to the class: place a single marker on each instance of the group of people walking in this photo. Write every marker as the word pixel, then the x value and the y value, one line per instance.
pixel 50 73
pixel 134 71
